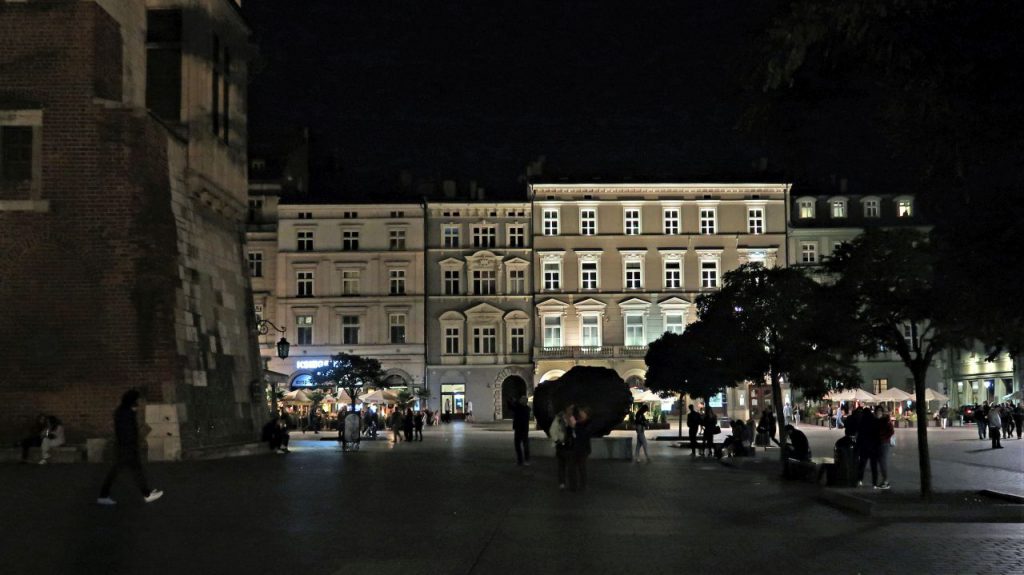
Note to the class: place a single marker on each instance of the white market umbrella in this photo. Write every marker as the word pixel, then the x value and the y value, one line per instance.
pixel 932 395
pixel 894 394
pixel 852 395
pixel 379 396
pixel 296 396
pixel 1015 396
pixel 644 395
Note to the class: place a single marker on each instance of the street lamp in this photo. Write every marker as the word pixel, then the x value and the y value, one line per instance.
pixel 264 326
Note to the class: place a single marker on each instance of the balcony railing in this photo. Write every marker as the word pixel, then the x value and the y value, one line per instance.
pixel 591 352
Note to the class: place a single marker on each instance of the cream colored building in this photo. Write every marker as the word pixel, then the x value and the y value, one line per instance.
pixel 340 278
pixel 617 265
pixel 479 306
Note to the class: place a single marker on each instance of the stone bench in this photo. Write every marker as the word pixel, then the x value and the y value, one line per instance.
pixel 600 448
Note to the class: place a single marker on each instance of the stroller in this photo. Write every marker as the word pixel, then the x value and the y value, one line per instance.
pixel 349 431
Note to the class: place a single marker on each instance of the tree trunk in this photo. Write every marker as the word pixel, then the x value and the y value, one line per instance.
pixel 779 418
pixel 682 404
pixel 921 408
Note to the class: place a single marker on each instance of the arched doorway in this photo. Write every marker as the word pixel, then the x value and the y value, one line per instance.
pixel 512 388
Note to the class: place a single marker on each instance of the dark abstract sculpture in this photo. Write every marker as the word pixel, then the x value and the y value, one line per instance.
pixel 598 389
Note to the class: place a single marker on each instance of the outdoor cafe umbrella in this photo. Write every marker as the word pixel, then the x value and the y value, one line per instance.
pixel 379 396
pixel 894 394
pixel 932 395
pixel 852 395
pixel 1015 396
pixel 296 396
pixel 644 395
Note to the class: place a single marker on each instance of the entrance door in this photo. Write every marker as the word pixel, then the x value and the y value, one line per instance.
pixel 511 390
pixel 453 398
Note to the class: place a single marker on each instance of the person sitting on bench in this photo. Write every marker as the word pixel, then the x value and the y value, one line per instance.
pixel 738 444
pixel 796 446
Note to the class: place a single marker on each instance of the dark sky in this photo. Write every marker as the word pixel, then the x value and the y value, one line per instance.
pixel 476 90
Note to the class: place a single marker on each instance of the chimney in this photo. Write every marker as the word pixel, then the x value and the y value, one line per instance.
pixel 448 188
pixel 480 193
pixel 472 190
pixel 842 185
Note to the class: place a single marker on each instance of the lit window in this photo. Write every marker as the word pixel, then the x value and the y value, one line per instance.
pixel 808 252
pixel 304 329
pixel 673 274
pixel 905 208
pixel 451 235
pixel 588 222
pixel 755 220
pixel 671 221
pixel 350 282
pixel 552 331
pixel 396 239
pixel 483 282
pixel 552 275
pixel 635 330
pixel 304 282
pixel 674 323
pixel 634 272
pixel 550 219
pixel 632 220
pixel 707 220
pixel 588 275
pixel 451 282
pixel 397 282
pixel 591 331
pixel 256 264
pixel 806 208
pixel 451 340
pixel 396 323
pixel 709 274
pixel 305 241
pixel 838 208
pixel 350 240
pixel 350 329
pixel 485 340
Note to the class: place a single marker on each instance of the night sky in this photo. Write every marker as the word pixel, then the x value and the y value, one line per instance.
pixel 477 90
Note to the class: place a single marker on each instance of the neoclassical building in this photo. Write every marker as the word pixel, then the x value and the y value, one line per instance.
pixel 479 305
pixel 620 264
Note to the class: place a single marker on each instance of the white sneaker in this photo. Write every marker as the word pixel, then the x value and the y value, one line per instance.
pixel 153 496
pixel 105 501
pixel 42 461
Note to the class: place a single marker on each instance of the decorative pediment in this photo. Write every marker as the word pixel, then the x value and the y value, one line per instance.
pixel 483 260
pixel 676 302
pixel 672 253
pixel 634 304
pixel 590 304
pixel 633 254
pixel 516 317
pixel 452 315
pixel 705 254
pixel 551 255
pixel 451 263
pixel 483 309
pixel 589 255
pixel 516 263
pixel 552 306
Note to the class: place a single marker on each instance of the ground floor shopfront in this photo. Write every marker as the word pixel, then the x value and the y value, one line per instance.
pixel 480 392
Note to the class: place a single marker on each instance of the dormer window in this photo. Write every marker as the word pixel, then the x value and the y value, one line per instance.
pixel 837 208
pixel 904 206
pixel 805 208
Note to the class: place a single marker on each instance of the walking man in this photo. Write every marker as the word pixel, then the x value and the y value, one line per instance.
pixel 944 415
pixel 995 424
pixel 692 424
pixel 521 430
pixel 126 430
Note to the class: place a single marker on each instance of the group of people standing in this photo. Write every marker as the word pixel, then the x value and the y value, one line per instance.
pixel 571 433
pixel 873 432
pixel 47 433
pixel 408 425
pixel 999 421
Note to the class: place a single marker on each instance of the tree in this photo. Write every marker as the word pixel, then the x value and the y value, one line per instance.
pixel 889 278
pixel 423 394
pixel 691 363
pixel 353 373
pixel 775 320
pixel 404 399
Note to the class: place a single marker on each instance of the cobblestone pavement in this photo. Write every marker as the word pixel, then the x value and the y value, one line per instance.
pixel 456 503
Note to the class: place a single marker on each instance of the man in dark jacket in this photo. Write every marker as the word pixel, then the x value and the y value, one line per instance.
pixel 521 430
pixel 126 430
pixel 869 443
pixel 693 424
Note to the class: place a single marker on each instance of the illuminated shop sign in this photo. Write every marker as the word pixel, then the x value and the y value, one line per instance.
pixel 310 363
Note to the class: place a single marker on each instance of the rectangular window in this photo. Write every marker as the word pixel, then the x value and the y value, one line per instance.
pixel 838 209
pixel 870 208
pixel 350 329
pixel 552 275
pixel 517 281
pixel 396 282
pixel 635 330
pixel 304 329
pixel 552 331
pixel 451 340
pixel 709 274
pixel 588 275
pixel 517 339
pixel 16 153
pixel 350 215
pixel 256 264
pixel 305 215
pixel 755 221
pixel 591 331
pixel 163 64
pixel 350 240
pixel 674 323
pixel 808 252
pixel 484 237
pixel 259 312
pixel 707 221
pixel 910 334
pixel 550 218
pixel 451 282
pixel 451 236
pixel 516 236
pixel 485 340
pixel 398 214
pixel 305 284
pixel 879 385
pixel 634 275
pixel 349 282
pixel 632 221
pixel 483 282
pixel 806 208
pixel 673 274
pixel 305 240
pixel 905 208
pixel 396 325
pixel 396 240
pixel 588 222
pixel 671 221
